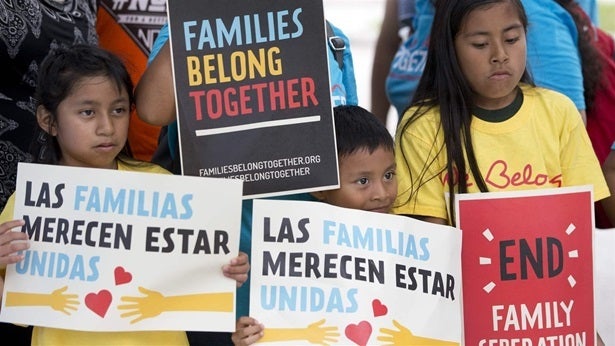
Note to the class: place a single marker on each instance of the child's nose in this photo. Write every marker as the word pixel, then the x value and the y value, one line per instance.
pixel 105 125
pixel 499 54
pixel 381 191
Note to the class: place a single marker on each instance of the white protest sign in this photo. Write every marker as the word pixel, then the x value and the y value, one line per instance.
pixel 116 251
pixel 322 274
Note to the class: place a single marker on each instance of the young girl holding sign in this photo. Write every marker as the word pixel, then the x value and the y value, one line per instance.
pixel 478 124
pixel 85 96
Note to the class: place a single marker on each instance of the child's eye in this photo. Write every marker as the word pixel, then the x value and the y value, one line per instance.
pixel 87 112
pixel 389 175
pixel 512 40
pixel 479 45
pixel 362 181
pixel 119 111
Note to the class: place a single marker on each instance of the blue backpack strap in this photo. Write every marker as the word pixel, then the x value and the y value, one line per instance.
pixel 337 45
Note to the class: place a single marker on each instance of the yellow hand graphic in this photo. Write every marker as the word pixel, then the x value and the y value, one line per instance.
pixel 149 306
pixel 404 337
pixel 318 335
pixel 57 300
pixel 61 302
pixel 313 333
pixel 154 303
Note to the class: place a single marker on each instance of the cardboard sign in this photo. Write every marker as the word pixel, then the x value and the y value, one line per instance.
pixel 252 91
pixel 116 251
pixel 322 274
pixel 527 267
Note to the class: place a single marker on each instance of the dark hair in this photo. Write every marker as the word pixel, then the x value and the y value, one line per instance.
pixel 591 62
pixel 358 129
pixel 443 85
pixel 58 74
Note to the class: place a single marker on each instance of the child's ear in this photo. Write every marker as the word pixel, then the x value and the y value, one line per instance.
pixel 45 120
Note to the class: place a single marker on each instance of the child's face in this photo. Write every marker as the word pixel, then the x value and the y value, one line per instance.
pixel 367 182
pixel 491 49
pixel 92 123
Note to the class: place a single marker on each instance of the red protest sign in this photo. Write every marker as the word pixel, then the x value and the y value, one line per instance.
pixel 527 267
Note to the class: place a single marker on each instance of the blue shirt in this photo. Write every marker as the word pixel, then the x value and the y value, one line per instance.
pixel 591 8
pixel 552 49
pixel 409 61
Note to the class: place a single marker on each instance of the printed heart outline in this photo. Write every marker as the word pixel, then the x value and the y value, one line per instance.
pixel 378 308
pixel 99 302
pixel 121 276
pixel 359 333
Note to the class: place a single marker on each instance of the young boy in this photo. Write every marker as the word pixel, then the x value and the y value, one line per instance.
pixel 366 162
pixel 367 181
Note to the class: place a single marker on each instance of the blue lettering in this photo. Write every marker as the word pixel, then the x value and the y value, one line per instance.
pixel 186 199
pixel 282 24
pixel 248 28
pixel 155 199
pixel 62 265
pixel 353 300
pixel 93 261
pixel 327 230
pixel 363 240
pixel 206 36
pixel 306 298
pixel 224 33
pixel 94 200
pixel 288 300
pixel 271 22
pixel 343 238
pixel 375 239
pixel 169 208
pixel 188 34
pixel 317 298
pixel 131 202
pixel 114 204
pixel 335 301
pixel 140 207
pixel 257 30
pixel 79 189
pixel 268 300
pixel 299 31
pixel 423 243
pixel 52 259
pixel 77 269
pixel 57 265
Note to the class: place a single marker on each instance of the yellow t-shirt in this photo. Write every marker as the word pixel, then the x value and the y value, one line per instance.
pixel 55 336
pixel 544 145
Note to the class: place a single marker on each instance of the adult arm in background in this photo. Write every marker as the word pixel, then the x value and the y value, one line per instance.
pixel 608 168
pixel 154 94
pixel 386 46
pixel 552 50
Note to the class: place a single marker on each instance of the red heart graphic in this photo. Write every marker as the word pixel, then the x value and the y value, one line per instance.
pixel 359 333
pixel 379 308
pixel 99 302
pixel 122 276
